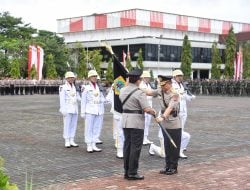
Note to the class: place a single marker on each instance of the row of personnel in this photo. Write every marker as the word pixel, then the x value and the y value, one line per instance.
pixel 132 124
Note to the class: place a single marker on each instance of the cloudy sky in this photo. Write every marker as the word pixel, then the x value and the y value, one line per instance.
pixel 42 14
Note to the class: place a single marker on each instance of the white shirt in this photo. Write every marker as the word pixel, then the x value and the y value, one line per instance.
pixel 92 100
pixel 146 86
pixel 179 89
pixel 68 99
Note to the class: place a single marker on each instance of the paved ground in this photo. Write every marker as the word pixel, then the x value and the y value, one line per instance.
pixel 31 142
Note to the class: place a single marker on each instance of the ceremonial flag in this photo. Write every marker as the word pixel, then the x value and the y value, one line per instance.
pixel 32 58
pixel 238 66
pixel 119 81
pixel 40 55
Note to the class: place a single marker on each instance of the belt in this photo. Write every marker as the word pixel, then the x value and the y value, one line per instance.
pixel 133 111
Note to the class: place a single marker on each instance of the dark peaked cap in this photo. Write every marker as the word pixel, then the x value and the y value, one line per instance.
pixel 164 79
pixel 135 73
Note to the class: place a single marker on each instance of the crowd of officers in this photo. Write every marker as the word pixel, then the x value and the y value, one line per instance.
pixel 220 87
pixel 10 86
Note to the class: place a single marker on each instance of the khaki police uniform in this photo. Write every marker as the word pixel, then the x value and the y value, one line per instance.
pixel 133 123
pixel 172 125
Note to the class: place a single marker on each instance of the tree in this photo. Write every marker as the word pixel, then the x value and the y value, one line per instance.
pixel 33 72
pixel 15 38
pixel 216 62
pixel 15 69
pixel 128 62
pixel 151 75
pixel 82 70
pixel 96 60
pixel 140 60
pixel 186 58
pixel 230 54
pixel 50 67
pixel 54 45
pixel 246 60
pixel 109 72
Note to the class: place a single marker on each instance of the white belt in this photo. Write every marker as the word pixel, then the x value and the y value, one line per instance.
pixel 95 102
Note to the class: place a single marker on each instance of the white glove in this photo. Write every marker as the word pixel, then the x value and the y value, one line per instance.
pixel 193 97
pixel 83 115
pixel 63 112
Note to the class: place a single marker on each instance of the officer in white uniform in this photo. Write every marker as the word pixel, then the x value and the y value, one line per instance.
pixel 69 109
pixel 144 85
pixel 117 125
pixel 92 110
pixel 184 96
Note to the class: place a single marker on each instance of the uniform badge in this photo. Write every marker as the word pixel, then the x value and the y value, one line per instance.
pixel 119 82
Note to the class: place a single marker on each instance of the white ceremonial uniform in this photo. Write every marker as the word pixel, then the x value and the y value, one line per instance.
pixel 69 109
pixel 178 87
pixel 148 117
pixel 92 108
pixel 117 125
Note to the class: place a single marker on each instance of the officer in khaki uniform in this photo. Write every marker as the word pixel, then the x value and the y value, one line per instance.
pixel 169 119
pixel 134 103
pixel 69 109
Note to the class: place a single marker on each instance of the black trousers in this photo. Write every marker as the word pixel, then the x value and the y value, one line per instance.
pixel 132 149
pixel 172 153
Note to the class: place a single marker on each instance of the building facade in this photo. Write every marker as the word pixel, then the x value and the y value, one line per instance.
pixel 160 36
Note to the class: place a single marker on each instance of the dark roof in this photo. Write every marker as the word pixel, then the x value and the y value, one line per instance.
pixel 241 37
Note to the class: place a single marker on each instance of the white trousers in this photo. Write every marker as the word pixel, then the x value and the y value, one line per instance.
pixel 185 138
pixel 183 118
pixel 117 121
pixel 69 125
pixel 147 123
pixel 92 127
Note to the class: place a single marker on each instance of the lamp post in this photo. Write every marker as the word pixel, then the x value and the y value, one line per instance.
pixel 159 52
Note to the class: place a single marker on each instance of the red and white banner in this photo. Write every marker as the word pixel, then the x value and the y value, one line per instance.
pixel 238 66
pixel 35 57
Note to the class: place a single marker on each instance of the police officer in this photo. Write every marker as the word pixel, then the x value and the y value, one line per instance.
pixel 144 85
pixel 134 103
pixel 92 110
pixel 178 86
pixel 170 120
pixel 69 109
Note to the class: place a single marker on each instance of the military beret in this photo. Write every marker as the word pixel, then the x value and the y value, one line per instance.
pixel 135 73
pixel 164 79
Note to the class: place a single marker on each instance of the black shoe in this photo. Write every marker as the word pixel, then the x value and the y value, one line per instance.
pixel 135 177
pixel 125 176
pixel 163 171
pixel 171 171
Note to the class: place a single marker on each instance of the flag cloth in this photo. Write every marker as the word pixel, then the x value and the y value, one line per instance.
pixel 238 66
pixel 120 73
pixel 32 58
pixel 40 55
